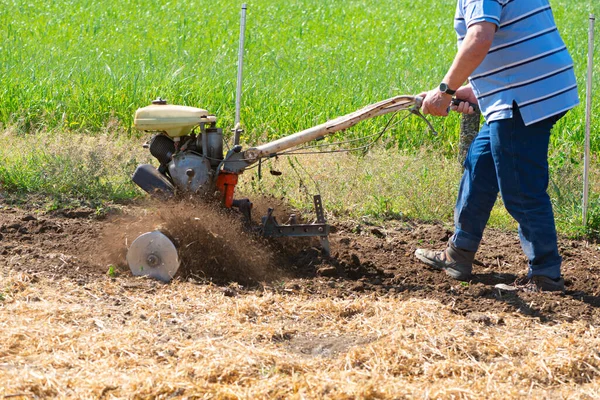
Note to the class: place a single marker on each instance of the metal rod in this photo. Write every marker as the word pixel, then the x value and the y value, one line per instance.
pixel 588 119
pixel 383 107
pixel 238 94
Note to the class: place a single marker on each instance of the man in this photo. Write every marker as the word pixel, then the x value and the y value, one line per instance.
pixel 521 76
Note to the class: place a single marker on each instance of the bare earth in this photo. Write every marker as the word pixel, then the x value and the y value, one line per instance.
pixel 378 259
pixel 255 318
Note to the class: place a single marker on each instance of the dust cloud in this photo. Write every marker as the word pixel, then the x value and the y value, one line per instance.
pixel 213 243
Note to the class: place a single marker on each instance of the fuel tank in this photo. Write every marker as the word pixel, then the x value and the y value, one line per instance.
pixel 172 119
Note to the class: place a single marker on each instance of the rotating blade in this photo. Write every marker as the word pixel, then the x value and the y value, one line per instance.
pixel 154 255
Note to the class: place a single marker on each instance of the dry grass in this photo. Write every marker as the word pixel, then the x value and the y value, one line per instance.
pixel 383 183
pixel 422 185
pixel 134 338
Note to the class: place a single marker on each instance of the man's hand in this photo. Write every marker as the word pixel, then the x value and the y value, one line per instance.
pixel 435 103
pixel 465 93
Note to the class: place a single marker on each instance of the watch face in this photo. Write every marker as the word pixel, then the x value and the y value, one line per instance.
pixel 445 89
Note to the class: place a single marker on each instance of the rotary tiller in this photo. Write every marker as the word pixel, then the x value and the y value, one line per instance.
pixel 189 149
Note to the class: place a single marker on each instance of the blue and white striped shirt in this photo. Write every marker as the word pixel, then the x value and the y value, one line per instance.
pixel 528 62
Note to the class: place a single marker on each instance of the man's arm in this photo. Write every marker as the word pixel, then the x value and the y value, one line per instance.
pixel 471 53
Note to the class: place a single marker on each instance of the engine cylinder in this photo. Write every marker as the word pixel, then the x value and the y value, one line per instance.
pixel 215 146
pixel 162 148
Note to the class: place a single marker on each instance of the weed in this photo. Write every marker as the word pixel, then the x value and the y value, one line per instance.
pixel 112 271
pixel 592 229
pixel 69 170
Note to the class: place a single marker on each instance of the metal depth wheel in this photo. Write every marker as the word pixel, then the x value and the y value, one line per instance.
pixel 153 254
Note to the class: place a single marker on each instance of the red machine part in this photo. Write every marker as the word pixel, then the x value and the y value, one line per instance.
pixel 226 182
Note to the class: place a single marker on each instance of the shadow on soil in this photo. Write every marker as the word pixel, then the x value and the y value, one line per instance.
pixel 386 265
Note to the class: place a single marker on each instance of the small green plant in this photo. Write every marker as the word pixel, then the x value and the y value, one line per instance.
pixel 68 170
pixel 112 271
pixel 2 296
pixel 592 229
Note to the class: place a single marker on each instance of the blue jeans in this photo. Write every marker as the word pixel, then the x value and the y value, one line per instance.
pixel 510 158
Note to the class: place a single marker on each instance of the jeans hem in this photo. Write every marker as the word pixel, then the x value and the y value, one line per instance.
pixel 465 241
pixel 551 271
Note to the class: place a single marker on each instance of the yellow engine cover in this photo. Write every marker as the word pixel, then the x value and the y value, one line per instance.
pixel 172 119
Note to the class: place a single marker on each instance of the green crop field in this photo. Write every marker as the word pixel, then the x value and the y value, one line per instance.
pixel 80 66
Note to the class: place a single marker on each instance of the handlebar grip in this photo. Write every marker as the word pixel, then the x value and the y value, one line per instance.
pixel 456 102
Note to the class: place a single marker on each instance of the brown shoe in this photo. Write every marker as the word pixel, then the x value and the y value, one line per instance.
pixel 537 283
pixel 456 262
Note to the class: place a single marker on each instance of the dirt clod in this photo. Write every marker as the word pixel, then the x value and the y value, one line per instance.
pixel 229 292
pixel 327 271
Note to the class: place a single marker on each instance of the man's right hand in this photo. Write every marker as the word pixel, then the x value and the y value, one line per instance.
pixel 435 103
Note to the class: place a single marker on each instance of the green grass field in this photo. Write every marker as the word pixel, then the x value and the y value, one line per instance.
pixel 84 67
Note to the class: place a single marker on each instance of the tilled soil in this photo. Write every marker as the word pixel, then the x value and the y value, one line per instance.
pixel 365 260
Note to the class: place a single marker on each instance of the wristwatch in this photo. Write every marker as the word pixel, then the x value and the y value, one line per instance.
pixel 444 88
